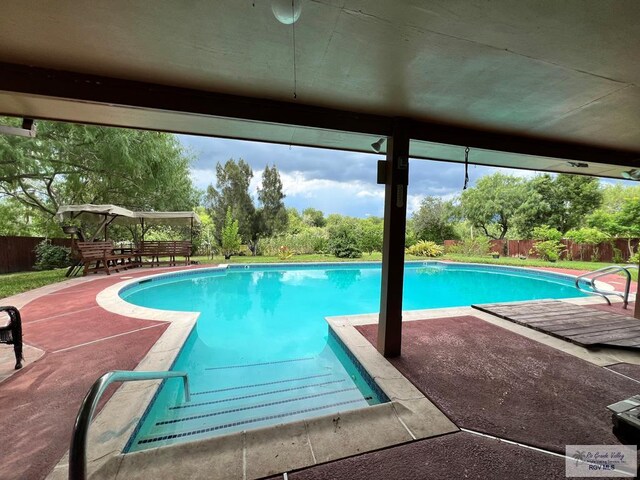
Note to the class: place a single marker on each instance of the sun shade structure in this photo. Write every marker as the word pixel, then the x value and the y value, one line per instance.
pixel 90 212
pixel 106 215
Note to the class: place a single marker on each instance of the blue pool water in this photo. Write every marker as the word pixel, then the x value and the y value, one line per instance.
pixel 261 352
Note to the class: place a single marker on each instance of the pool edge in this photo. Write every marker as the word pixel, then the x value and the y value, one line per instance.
pixel 408 416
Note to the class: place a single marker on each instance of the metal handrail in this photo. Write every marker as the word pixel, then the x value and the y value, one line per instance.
pixel 601 272
pixel 78 448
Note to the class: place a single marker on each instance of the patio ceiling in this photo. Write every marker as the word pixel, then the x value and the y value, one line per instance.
pixel 542 81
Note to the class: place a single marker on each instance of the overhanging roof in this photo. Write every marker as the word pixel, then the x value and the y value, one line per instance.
pixel 541 80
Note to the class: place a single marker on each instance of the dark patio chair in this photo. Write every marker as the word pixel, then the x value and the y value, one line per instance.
pixel 11 334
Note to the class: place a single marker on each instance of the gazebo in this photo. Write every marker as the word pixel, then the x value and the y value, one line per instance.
pixel 106 215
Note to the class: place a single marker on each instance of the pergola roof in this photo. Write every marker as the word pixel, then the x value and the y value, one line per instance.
pixel 542 81
pixel 122 215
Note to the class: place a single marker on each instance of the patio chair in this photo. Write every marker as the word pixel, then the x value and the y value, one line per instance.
pixel 11 334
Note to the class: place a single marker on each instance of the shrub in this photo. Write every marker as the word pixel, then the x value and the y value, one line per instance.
pixel 472 247
pixel 548 250
pixel 545 232
pixel 50 256
pixel 587 236
pixel 370 236
pixel 425 249
pixel 311 240
pixel 617 254
pixel 410 237
pixel 230 242
pixel 343 241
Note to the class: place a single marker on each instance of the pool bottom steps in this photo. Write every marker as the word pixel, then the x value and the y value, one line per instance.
pixel 248 396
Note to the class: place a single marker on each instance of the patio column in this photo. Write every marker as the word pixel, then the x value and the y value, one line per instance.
pixel 395 174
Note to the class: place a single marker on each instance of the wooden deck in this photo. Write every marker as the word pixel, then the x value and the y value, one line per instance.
pixel 580 325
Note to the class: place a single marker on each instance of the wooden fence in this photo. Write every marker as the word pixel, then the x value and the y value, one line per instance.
pixel 611 251
pixel 17 254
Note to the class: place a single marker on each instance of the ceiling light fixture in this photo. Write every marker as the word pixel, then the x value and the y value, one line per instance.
pixel 286 12
pixel 377 145
pixel 633 174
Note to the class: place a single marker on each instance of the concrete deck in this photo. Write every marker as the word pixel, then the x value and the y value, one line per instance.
pixel 503 384
pixel 79 338
pixel 454 456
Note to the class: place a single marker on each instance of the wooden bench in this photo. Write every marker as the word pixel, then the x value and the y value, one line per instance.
pixel 167 250
pixel 97 256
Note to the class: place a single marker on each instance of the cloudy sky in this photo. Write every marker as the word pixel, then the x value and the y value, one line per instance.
pixel 332 181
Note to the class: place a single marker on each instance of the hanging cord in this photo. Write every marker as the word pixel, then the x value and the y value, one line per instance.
pixel 466 168
pixel 293 25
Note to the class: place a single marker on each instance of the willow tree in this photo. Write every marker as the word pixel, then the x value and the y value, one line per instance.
pixel 70 164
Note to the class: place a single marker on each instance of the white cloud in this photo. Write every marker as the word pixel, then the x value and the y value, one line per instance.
pixel 413 203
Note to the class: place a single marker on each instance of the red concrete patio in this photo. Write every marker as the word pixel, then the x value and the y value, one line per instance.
pixel 81 342
pixel 483 377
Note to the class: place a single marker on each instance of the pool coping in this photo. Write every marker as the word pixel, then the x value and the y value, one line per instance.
pixel 418 417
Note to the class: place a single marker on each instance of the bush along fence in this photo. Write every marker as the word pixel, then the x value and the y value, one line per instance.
pixel 615 250
pixel 17 254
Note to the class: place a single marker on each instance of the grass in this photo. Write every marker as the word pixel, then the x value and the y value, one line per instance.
pixel 14 283
pixel 377 257
pixel 317 257
pixel 532 262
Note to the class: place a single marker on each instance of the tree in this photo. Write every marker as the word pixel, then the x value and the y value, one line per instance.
pixel 232 192
pixel 433 221
pixel 16 219
pixel 230 239
pixel 628 220
pixel 313 217
pixel 562 202
pixel 619 214
pixel 273 215
pixel 493 203
pixel 69 164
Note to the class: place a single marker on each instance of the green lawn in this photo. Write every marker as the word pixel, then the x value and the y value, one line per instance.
pixel 11 284
pixel 374 257
pixel 570 265
pixel 530 262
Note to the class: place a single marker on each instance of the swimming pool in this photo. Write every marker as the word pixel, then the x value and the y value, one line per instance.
pixel 261 352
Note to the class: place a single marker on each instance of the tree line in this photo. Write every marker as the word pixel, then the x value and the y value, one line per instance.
pixel 502 206
pixel 141 170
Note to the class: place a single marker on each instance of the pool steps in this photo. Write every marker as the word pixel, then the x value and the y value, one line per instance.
pixel 241 404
